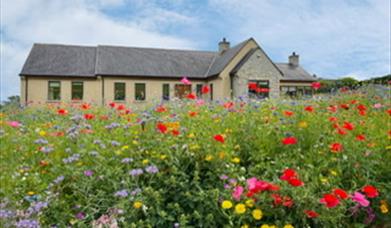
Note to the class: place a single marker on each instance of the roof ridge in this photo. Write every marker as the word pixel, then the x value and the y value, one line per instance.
pixel 210 65
pixel 156 48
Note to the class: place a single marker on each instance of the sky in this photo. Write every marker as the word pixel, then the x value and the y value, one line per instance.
pixel 334 38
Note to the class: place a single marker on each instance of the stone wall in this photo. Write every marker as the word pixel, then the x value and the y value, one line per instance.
pixel 257 67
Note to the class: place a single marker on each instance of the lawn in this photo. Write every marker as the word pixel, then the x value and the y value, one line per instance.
pixel 321 162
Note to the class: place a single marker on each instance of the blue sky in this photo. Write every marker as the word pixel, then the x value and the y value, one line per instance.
pixel 334 38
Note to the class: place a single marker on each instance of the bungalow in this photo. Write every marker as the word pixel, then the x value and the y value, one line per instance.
pixel 101 74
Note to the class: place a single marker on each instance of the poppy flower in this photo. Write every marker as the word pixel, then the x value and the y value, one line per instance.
pixel 309 108
pixel 205 89
pixel 62 111
pixel 192 113
pixel 175 132
pixel 121 107
pixel 360 137
pixel 277 199
pixel 85 106
pixel 389 112
pixel 287 201
pixel 361 107
pixel 112 104
pixel 289 140
pixel 332 108
pixel 315 85
pixel 348 126
pixel 191 96
pixel 333 119
pixel 329 200
pixel 341 131
pixel 370 191
pixel 341 193
pixel 161 109
pixel 336 147
pixel 288 113
pixel 228 105
pixel 185 81
pixel 161 127
pixel 219 138
pixel 288 174
pixel 345 106
pixel 311 213
pixel 88 116
pixel 360 198
pixel 295 182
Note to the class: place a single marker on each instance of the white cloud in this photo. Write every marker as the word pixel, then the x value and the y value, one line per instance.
pixel 24 22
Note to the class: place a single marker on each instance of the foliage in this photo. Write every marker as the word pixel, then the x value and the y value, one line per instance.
pixel 195 164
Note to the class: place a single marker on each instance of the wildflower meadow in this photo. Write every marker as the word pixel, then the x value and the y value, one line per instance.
pixel 323 161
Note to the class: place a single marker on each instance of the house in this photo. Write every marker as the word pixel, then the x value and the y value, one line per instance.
pixel 102 74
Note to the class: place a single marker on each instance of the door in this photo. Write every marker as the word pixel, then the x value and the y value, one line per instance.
pixel 182 90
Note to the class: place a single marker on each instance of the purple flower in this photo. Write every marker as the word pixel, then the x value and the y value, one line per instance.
pixel 223 177
pixel 88 173
pixel 135 192
pixel 27 223
pixel 152 169
pixel 136 172
pixel 37 207
pixel 46 149
pixel 80 215
pixel 126 160
pixel 6 214
pixel 121 193
pixel 115 143
pixel 41 141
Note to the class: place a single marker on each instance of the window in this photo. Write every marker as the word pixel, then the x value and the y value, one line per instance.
pixel 182 91
pixel 211 91
pixel 258 89
pixel 139 91
pixel 77 90
pixel 199 90
pixel 119 91
pixel 166 92
pixel 54 91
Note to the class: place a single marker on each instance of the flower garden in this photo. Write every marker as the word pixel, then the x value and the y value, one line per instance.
pixel 322 162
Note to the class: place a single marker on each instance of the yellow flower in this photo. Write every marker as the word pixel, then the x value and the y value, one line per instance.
pixel 257 214
pixel 125 147
pixel 191 135
pixel 333 172
pixel 162 157
pixel 303 124
pixel 265 226
pixel 79 163
pixel 221 154
pixel 145 161
pixel 30 193
pixel 118 152
pixel 250 203
pixel 384 208
pixel 135 142
pixel 195 147
pixel 208 157
pixel 288 226
pixel 244 226
pixel 226 204
pixel 324 180
pixel 137 204
pixel 235 160
pixel 42 133
pixel 240 208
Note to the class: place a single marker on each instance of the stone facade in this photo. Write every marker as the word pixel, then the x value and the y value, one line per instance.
pixel 257 67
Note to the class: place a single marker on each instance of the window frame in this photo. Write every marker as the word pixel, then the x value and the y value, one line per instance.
pixel 135 92
pixel 72 90
pixel 116 89
pixel 166 88
pixel 59 97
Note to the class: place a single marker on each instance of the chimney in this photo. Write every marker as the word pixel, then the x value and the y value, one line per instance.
pixel 294 59
pixel 223 46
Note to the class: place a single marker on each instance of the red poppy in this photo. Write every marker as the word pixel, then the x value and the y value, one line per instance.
pixel 112 104
pixel 329 200
pixel 287 201
pixel 289 140
pixel 121 107
pixel 161 109
pixel 277 199
pixel 361 107
pixel 345 106
pixel 288 174
pixel 205 89
pixel 311 213
pixel 332 108
pixel 88 116
pixel 228 105
pixel 315 85
pixel 161 127
pixel 362 112
pixel 295 182
pixel 288 113
pixel 336 147
pixel 348 126
pixel 360 137
pixel 309 108
pixel 389 112
pixel 219 138
pixel 175 132
pixel 85 106
pixel 341 193
pixel 252 85
pixel 370 191
pixel 341 131
pixel 62 112
pixel 192 113
pixel 333 119
pixel 191 96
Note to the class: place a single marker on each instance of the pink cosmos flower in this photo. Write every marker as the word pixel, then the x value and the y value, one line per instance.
pixel 185 81
pixel 200 102
pixel 88 173
pixel 378 105
pixel 238 191
pixel 360 198
pixel 14 124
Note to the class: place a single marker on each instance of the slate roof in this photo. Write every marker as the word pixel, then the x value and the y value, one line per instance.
pixel 294 73
pixel 91 61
